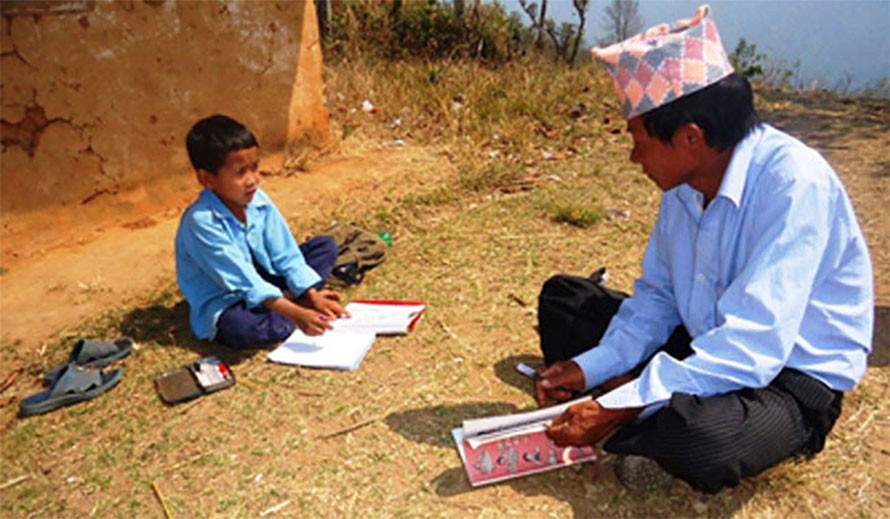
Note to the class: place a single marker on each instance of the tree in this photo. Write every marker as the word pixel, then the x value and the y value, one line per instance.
pixel 567 40
pixel 539 20
pixel 581 9
pixel 323 10
pixel 757 66
pixel 622 21
pixel 747 61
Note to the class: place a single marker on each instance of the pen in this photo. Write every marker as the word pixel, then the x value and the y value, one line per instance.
pixel 533 374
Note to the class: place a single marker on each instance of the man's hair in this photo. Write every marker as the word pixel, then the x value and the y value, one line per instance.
pixel 212 138
pixel 724 110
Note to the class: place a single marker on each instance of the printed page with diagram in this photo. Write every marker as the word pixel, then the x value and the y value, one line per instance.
pixel 498 448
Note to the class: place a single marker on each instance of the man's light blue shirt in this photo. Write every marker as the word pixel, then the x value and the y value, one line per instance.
pixel 773 274
pixel 214 268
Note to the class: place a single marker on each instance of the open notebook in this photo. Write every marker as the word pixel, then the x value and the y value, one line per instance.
pixel 382 317
pixel 348 342
pixel 334 350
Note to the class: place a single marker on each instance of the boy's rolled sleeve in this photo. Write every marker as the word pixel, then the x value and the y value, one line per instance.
pixel 285 256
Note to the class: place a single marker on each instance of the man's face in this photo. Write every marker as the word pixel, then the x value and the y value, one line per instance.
pixel 668 165
pixel 237 180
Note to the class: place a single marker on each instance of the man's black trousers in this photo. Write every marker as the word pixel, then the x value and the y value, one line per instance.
pixel 708 442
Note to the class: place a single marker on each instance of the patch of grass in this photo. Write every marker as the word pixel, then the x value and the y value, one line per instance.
pixel 579 216
pixel 477 254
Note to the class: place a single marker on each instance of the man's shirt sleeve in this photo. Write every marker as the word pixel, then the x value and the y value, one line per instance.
pixel 643 322
pixel 759 314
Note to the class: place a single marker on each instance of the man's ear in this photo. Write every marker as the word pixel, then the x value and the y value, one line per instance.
pixel 205 178
pixel 692 136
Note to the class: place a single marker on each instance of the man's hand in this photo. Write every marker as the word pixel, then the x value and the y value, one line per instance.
pixel 560 382
pixel 587 423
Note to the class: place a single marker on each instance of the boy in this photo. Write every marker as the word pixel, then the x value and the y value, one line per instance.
pixel 753 315
pixel 246 281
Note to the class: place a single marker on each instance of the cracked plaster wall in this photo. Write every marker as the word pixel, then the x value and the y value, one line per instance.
pixel 97 96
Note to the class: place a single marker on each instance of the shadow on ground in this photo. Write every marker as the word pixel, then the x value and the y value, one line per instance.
pixel 880 345
pixel 433 425
pixel 590 489
pixel 169 327
pixel 506 371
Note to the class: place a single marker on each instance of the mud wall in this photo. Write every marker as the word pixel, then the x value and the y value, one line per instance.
pixel 97 95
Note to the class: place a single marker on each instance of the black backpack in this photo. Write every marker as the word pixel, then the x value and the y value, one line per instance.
pixel 564 309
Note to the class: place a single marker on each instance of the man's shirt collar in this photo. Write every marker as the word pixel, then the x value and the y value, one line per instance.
pixel 733 184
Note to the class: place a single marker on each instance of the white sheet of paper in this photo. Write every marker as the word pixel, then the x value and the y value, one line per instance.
pixel 334 349
pixel 379 318
pixel 491 424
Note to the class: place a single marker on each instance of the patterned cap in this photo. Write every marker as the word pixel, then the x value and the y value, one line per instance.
pixel 666 62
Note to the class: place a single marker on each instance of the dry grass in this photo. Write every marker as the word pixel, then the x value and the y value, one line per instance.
pixel 475 240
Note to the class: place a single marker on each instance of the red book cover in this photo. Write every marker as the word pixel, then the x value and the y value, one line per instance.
pixel 498 448
pixel 516 456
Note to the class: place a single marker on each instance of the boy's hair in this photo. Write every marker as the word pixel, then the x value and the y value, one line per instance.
pixel 214 137
pixel 724 110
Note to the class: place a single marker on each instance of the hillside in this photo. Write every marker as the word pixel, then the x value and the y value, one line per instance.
pixel 482 210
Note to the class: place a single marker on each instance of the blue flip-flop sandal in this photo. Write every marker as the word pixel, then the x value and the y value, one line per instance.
pixel 72 385
pixel 88 353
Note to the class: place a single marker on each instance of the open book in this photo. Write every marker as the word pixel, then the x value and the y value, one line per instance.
pixel 503 447
pixel 345 346
pixel 382 317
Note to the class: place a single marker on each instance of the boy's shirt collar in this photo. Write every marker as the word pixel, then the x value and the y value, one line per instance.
pixel 219 209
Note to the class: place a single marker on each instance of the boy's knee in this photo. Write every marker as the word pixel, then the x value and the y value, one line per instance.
pixel 327 248
pixel 320 254
pixel 244 329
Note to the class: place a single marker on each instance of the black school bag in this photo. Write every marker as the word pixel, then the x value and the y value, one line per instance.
pixel 358 251
pixel 566 306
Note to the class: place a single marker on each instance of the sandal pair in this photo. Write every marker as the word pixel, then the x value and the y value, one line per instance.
pixel 79 379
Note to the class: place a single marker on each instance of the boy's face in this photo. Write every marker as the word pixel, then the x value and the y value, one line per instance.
pixel 236 181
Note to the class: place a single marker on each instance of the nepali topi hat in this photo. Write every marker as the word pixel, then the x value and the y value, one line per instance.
pixel 666 62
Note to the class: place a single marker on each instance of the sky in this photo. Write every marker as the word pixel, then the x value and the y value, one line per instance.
pixel 830 39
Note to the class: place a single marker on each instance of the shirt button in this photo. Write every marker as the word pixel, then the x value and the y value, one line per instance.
pixel 701 278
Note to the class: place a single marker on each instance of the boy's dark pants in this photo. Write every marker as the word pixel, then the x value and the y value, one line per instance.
pixel 708 442
pixel 239 327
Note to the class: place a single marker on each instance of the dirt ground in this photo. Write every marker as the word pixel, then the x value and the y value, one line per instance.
pixel 63 267
pixel 267 443
pixel 74 264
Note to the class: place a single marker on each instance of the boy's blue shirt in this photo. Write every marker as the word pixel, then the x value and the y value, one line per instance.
pixel 214 267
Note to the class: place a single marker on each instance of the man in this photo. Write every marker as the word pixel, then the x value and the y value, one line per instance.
pixel 754 311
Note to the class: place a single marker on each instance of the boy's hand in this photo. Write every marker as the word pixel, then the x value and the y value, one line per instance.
pixel 307 320
pixel 327 302
pixel 311 322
